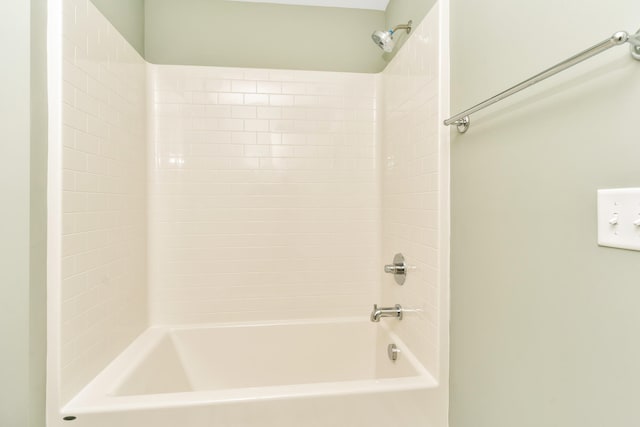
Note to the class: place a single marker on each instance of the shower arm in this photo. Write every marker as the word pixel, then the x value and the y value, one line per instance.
pixel 406 26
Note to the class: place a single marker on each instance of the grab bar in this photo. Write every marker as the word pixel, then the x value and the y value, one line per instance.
pixel 462 121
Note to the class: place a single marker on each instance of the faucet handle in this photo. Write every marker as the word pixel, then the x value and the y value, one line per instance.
pixel 394 269
pixel 398 269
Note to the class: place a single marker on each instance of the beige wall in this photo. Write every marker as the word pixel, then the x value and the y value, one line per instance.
pixel 128 17
pixel 238 34
pixel 21 226
pixel 544 322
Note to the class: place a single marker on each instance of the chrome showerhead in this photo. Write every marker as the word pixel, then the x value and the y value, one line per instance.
pixel 384 39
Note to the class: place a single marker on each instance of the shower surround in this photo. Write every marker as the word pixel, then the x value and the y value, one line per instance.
pixel 186 199
pixel 97 179
pixel 263 194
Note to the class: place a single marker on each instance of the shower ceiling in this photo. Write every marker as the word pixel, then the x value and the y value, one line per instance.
pixel 351 4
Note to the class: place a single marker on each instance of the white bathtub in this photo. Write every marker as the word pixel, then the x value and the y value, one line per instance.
pixel 285 374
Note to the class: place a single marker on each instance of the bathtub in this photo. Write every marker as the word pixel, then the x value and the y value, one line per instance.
pixel 287 374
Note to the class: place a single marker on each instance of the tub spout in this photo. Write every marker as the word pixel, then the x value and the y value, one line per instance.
pixel 379 312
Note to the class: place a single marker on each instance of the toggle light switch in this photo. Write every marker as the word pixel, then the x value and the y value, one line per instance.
pixel 619 218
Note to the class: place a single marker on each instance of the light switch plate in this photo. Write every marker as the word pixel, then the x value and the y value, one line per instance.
pixel 619 218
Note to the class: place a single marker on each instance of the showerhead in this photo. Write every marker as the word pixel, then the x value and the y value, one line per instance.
pixel 384 39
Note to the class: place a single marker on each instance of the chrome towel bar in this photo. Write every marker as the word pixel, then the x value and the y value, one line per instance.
pixel 462 120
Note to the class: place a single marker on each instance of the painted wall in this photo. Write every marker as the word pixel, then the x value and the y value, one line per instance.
pixel 103 293
pixel 544 322
pixel 298 38
pixel 38 214
pixel 22 300
pixel 14 186
pixel 261 180
pixel 238 34
pixel 128 17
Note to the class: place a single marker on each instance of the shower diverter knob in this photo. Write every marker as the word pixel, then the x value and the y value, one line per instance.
pixel 398 269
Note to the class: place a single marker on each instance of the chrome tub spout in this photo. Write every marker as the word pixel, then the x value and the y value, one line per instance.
pixel 379 312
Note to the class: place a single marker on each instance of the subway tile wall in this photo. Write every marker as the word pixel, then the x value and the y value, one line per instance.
pixel 267 192
pixel 104 301
pixel 264 194
pixel 410 186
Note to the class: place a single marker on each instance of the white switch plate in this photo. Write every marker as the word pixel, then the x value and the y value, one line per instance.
pixel 619 218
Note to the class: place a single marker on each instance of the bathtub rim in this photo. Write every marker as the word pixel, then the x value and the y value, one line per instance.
pixel 97 395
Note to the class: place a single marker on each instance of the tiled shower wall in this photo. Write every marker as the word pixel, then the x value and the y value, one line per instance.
pixel 263 190
pixel 103 294
pixel 264 194
pixel 411 153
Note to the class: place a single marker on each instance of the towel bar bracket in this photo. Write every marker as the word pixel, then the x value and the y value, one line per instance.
pixel 463 124
pixel 634 41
